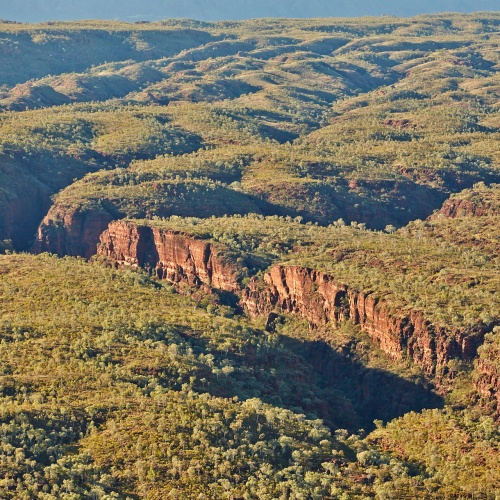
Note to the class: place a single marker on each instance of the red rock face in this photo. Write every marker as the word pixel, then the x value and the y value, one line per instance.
pixel 403 123
pixel 180 258
pixel 173 256
pixel 317 297
pixel 71 232
pixel 487 373
pixel 488 382
pixel 461 208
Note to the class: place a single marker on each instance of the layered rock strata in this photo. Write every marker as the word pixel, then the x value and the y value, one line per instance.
pixel 319 298
pixel 461 208
pixel 170 255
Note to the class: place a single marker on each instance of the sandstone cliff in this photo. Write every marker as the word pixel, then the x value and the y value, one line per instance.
pixel 171 255
pixel 314 295
pixel 182 258
pixel 487 370
pixel 71 231
pixel 317 297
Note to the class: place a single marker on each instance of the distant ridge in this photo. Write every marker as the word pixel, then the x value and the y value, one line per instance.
pixel 132 10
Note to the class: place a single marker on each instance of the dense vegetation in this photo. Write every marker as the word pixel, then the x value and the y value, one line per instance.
pixel 402 112
pixel 326 144
pixel 115 386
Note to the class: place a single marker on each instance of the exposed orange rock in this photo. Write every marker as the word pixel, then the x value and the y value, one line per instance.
pixel 487 372
pixel 171 255
pixel 487 382
pixel 401 123
pixel 457 207
pixel 71 231
pixel 317 297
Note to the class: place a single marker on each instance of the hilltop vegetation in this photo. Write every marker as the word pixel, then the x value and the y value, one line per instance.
pixel 446 268
pixel 374 121
pixel 361 154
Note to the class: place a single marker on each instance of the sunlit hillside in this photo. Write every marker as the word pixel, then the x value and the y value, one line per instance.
pixel 250 259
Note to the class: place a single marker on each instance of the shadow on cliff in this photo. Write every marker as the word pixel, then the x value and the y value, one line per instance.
pixel 309 377
pixel 375 394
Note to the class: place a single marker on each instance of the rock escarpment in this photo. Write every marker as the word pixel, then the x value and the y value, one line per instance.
pixel 487 371
pixel 456 207
pixel 170 255
pixel 71 231
pixel 480 201
pixel 314 295
pixel 319 298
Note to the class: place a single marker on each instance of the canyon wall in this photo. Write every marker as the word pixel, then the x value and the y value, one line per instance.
pixel 319 298
pixel 170 255
pixel 314 295
pixel 71 231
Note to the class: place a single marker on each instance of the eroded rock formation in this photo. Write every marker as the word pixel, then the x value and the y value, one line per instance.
pixel 319 298
pixel 170 255
pixel 71 232
pixel 482 205
pixel 487 371
pixel 488 383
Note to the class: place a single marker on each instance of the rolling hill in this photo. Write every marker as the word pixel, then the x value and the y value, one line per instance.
pixel 250 259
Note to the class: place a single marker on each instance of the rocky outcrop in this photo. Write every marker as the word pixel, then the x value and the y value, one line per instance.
pixel 170 255
pixel 457 207
pixel 319 298
pixel 479 201
pixel 181 258
pixel 72 232
pixel 487 371
pixel 487 383
pixel 401 123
